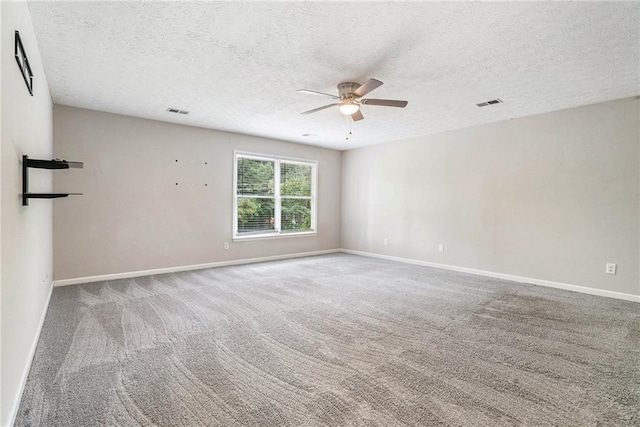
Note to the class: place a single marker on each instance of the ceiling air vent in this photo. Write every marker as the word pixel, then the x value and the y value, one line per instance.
pixel 493 101
pixel 176 111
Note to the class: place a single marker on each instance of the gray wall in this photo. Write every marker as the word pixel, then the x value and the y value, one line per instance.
pixel 133 217
pixel 552 197
pixel 26 231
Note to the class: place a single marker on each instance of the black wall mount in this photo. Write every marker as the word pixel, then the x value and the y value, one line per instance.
pixel 43 164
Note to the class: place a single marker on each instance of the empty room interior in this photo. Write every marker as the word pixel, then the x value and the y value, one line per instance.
pixel 320 213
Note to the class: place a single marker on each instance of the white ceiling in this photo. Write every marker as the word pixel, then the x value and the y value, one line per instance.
pixel 236 66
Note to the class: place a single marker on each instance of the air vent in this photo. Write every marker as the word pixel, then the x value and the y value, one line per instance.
pixel 176 111
pixel 493 101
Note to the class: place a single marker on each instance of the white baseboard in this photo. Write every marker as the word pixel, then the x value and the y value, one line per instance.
pixel 32 352
pixel 520 279
pixel 513 278
pixel 131 274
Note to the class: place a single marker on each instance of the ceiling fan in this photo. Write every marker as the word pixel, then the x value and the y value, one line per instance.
pixel 349 102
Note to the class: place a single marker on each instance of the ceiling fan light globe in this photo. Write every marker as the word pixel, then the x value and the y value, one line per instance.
pixel 348 108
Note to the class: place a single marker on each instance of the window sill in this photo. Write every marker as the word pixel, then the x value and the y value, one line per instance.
pixel 274 236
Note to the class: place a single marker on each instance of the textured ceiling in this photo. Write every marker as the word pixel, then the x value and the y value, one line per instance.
pixel 236 66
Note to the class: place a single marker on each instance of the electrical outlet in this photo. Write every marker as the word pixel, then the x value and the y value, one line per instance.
pixel 611 268
pixel 440 247
pixel 226 246
pixel 386 242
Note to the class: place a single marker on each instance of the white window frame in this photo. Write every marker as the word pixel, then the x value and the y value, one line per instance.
pixel 277 233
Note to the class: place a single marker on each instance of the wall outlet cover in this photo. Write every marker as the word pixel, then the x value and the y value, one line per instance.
pixel 611 268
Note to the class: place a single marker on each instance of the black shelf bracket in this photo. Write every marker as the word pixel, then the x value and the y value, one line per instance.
pixel 43 164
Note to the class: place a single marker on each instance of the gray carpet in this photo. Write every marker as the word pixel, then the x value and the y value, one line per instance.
pixel 333 340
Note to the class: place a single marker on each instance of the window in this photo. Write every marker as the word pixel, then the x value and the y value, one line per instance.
pixel 273 196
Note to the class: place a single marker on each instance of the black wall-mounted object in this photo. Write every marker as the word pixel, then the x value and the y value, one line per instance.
pixel 43 164
pixel 23 62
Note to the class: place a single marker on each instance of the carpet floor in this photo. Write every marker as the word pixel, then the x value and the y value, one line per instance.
pixel 335 340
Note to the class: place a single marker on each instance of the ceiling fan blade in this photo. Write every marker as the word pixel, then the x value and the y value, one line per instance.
pixel 385 102
pixel 357 116
pixel 313 92
pixel 319 108
pixel 367 87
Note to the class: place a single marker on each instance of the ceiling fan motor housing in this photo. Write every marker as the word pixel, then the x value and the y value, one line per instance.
pixel 345 89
